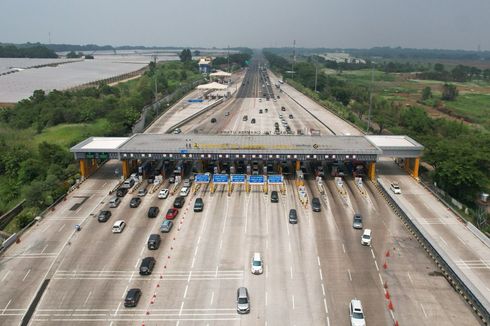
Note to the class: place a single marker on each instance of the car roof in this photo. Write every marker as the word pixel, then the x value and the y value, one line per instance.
pixel 356 304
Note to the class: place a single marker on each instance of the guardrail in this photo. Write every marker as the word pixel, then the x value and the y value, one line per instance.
pixel 195 115
pixel 451 272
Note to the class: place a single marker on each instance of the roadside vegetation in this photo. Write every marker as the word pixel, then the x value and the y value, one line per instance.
pixel 460 152
pixel 27 51
pixel 36 134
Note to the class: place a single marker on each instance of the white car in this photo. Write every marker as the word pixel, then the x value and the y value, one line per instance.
pixel 395 188
pixel 184 191
pixel 118 226
pixel 256 267
pixel 356 313
pixel 163 194
pixel 366 237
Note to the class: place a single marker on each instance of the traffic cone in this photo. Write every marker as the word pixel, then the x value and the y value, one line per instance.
pixel 387 253
pixel 385 265
pixel 396 322
pixel 390 305
pixel 385 285
pixel 387 295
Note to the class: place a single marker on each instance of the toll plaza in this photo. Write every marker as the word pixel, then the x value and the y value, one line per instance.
pixel 226 153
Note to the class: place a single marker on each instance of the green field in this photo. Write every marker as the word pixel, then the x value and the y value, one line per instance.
pixel 476 107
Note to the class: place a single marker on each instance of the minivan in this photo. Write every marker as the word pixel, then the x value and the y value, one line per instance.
pixel 315 204
pixel 293 216
pixel 132 298
pixel 274 197
pixel 154 241
pixel 257 264
pixel 198 205
pixel 114 202
pixel 366 237
pixel 242 301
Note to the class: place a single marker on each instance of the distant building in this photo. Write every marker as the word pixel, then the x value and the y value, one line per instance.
pixel 205 65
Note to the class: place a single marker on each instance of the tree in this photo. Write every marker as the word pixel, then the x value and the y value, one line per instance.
pixel 185 55
pixel 426 93
pixel 439 67
pixel 449 92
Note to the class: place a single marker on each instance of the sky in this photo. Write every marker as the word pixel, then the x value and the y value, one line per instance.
pixel 441 24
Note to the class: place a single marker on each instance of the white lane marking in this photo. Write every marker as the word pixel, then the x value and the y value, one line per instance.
pixel 328 321
pixel 88 296
pixel 216 273
pixel 381 279
pixel 343 248
pixel 266 295
pixel 189 278
pixel 291 271
pixel 111 323
pixel 104 185
pixel 321 276
pixel 372 253
pixel 323 290
pixel 117 310
pixel 185 292
pixel 464 243
pixel 131 278
pixel 5 276
pixel 44 249
pixel 4 309
pixel 195 251
pixel 293 300
pixel 246 219
pixel 193 260
pixel 221 243
pixel 26 275
pixel 212 298
pixel 178 321
pixel 125 290
pixel 350 276
pixel 425 314
pixel 443 240
pixel 409 277
pixel 266 244
pixel 61 228
pixel 325 305
pixel 289 244
pixel 198 239
pixel 181 307
pixel 318 259
pixel 137 262
pixel 266 273
pixel 376 264
pixel 142 249
pixel 287 228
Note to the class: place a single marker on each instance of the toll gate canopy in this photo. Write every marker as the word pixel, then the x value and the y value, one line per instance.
pixel 248 147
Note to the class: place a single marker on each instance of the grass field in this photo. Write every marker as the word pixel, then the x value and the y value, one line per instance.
pixel 475 107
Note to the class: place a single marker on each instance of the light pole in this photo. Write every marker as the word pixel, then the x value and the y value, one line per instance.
pixel 370 98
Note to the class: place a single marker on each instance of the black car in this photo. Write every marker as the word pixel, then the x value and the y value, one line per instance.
pixel 153 211
pixel 252 121
pixel 104 216
pixel 283 108
pixel 274 197
pixel 135 202
pixel 154 241
pixel 132 298
pixel 179 202
pixel 316 205
pixel 293 216
pixel 198 205
pixel 121 192
pixel 213 120
pixel 147 265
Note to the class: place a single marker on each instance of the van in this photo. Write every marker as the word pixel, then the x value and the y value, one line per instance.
pixel 154 241
pixel 257 264
pixel 198 205
pixel 242 301
pixel 366 237
pixel 114 202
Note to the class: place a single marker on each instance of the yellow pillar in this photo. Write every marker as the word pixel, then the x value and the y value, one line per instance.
pixel 265 187
pixel 298 165
pixel 372 171
pixel 415 172
pixel 125 168
pixel 211 185
pixel 407 165
pixel 83 168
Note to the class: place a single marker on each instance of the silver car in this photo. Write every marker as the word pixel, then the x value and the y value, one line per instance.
pixel 357 221
pixel 242 301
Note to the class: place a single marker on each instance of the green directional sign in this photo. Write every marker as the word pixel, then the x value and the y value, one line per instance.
pixel 104 156
pixel 89 155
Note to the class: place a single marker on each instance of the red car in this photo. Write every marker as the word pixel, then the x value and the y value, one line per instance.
pixel 171 213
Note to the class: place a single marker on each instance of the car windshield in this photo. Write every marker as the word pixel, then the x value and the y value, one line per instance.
pixel 365 236
pixel 242 300
pixel 357 219
pixel 256 263
pixel 357 315
pixel 170 211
